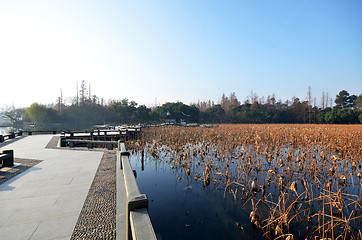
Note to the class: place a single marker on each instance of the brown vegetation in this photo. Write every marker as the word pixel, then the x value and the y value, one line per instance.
pixel 297 181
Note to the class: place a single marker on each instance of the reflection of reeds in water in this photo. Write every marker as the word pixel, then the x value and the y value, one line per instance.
pixel 309 175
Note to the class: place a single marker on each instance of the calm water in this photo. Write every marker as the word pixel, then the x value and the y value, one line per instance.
pixel 181 208
pixel 5 130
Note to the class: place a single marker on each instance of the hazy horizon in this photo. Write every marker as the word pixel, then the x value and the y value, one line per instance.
pixel 169 51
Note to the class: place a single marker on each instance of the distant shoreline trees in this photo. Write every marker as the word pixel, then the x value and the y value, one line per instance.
pixel 90 111
pixel 348 110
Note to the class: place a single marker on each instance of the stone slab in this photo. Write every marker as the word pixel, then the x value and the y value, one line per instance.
pixel 44 202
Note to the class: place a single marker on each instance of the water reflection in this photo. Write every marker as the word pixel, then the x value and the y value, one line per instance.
pixel 181 208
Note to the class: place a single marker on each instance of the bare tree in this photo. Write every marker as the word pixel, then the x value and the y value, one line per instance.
pixel 322 101
pixel 272 99
pixel 83 92
pixel 234 102
pixel 224 102
pixel 60 101
pixel 309 104
pixel 327 100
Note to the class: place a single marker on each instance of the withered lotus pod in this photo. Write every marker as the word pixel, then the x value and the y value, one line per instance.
pixel 343 177
pixel 281 183
pixel 294 188
pixel 254 186
pixel 332 170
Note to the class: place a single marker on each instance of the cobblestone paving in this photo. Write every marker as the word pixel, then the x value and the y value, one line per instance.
pixel 97 219
pixel 7 173
pixel 53 143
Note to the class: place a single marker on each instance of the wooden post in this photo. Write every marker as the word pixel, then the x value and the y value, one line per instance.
pixel 143 160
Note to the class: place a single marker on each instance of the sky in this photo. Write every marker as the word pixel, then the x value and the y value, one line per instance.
pixel 154 52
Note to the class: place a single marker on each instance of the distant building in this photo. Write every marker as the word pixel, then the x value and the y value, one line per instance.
pixel 176 118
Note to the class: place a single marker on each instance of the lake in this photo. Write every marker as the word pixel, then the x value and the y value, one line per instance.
pixel 5 130
pixel 296 181
pixel 181 208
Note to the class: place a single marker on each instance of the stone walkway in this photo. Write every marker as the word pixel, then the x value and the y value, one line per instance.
pixel 44 202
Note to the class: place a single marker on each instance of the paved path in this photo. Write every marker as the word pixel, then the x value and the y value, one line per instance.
pixel 45 201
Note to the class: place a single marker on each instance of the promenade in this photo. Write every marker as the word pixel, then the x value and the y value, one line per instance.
pixel 45 201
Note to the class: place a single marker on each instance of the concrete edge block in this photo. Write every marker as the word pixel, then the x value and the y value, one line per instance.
pixel 141 226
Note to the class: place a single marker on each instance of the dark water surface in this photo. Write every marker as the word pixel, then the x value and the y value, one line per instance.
pixel 181 208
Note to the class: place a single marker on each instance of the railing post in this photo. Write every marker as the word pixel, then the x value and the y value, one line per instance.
pixel 109 146
pixel 63 141
pixel 123 154
pixel 135 203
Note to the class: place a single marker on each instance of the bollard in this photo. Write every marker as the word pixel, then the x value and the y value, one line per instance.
pixel 9 160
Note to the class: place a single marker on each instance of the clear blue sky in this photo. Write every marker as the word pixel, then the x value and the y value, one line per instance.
pixel 179 50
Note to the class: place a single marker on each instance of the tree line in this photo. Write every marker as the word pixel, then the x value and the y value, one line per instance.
pixel 347 110
pixel 89 111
